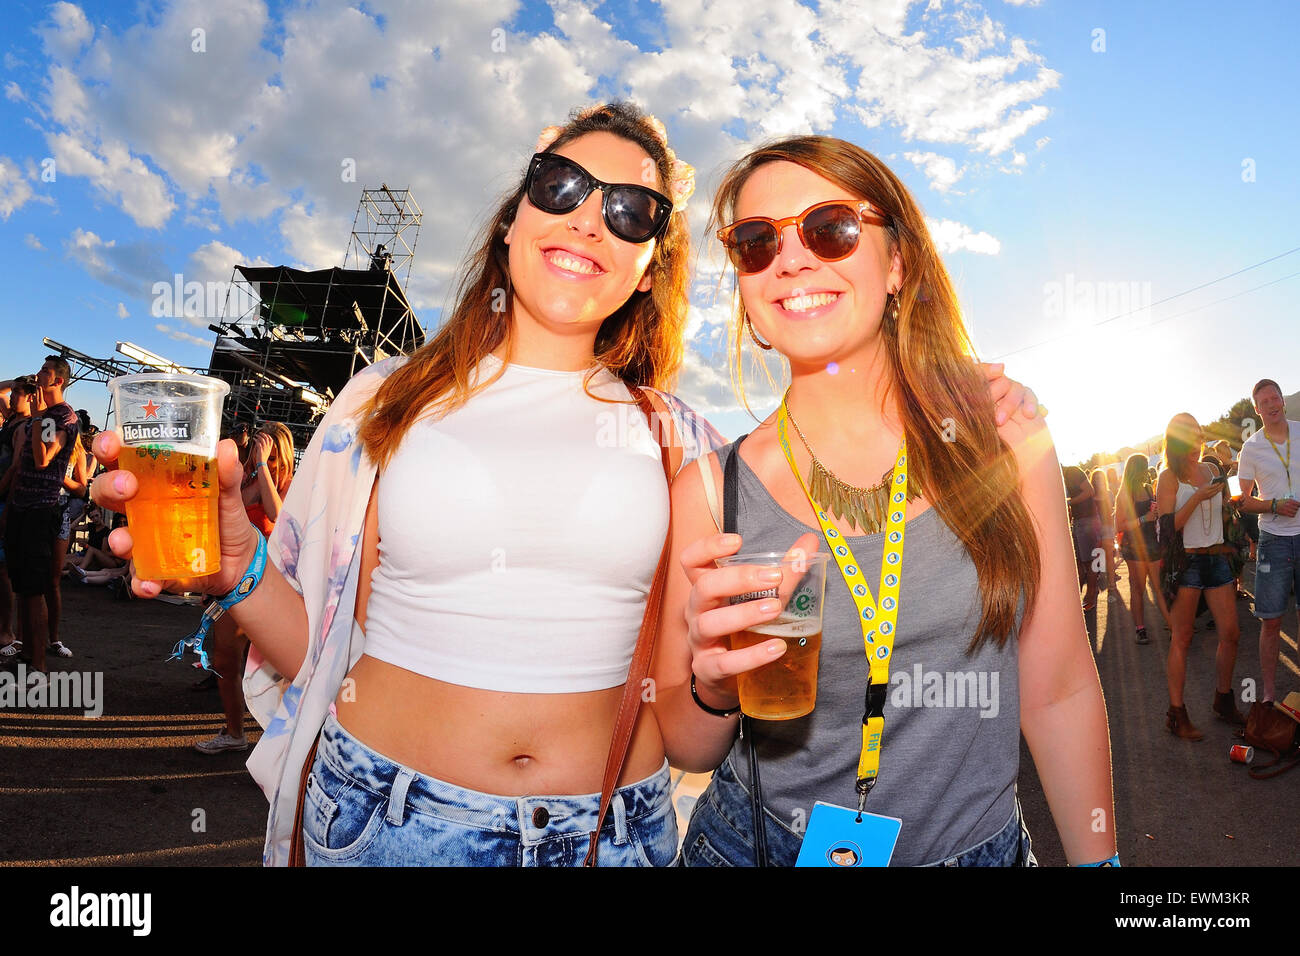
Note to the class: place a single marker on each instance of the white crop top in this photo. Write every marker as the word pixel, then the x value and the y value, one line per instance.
pixel 1205 527
pixel 519 536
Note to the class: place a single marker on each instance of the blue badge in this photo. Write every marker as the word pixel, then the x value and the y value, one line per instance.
pixel 836 838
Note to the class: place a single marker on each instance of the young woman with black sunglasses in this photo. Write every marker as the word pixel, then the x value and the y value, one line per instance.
pixel 497 569
pixel 950 623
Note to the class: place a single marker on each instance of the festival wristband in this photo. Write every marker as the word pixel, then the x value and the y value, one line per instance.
pixel 1113 861
pixel 251 579
pixel 706 708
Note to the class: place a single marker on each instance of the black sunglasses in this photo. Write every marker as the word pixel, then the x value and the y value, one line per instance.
pixel 633 213
pixel 829 230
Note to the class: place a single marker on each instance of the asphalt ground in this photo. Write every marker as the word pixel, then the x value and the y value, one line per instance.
pixel 127 788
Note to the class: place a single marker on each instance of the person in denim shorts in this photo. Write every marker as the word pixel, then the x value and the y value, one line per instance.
pixel 838 274
pixel 1190 502
pixel 1269 482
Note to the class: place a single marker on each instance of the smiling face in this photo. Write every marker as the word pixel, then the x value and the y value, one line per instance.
pixel 815 312
pixel 1270 405
pixel 568 270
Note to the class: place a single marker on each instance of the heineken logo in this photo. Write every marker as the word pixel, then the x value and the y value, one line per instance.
pixel 136 433
pixel 754 595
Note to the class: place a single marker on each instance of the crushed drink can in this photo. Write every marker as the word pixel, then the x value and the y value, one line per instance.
pixel 1240 753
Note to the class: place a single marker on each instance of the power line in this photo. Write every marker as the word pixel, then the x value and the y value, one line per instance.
pixel 1168 298
pixel 1218 301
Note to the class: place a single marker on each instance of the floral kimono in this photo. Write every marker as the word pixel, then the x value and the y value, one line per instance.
pixel 315 546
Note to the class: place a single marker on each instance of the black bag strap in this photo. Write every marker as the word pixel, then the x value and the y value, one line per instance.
pixel 730 508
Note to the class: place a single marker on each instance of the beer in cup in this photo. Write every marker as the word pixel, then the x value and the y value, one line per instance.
pixel 786 687
pixel 169 425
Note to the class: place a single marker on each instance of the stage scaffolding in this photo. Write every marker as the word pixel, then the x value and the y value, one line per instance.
pixel 289 339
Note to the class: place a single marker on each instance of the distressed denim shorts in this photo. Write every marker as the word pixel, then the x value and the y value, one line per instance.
pixel 720 833
pixel 362 809
pixel 1277 573
pixel 1205 572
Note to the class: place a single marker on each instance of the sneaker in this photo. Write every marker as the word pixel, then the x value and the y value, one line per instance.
pixel 222 741
pixel 58 649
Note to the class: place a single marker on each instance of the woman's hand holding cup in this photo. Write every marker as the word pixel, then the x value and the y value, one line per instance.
pixel 712 618
pixel 115 487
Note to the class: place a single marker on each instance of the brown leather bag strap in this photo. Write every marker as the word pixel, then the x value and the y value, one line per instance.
pixel 661 427
pixel 297 851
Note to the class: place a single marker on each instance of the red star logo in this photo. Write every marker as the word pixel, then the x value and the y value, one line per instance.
pixel 150 410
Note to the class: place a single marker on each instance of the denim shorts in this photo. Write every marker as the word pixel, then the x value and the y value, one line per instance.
pixel 1277 573
pixel 1205 571
pixel 362 809
pixel 720 833
pixel 1087 538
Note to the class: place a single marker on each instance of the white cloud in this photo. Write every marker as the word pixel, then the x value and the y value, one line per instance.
pixel 15 92
pixel 259 126
pixel 122 313
pixel 950 236
pixel 14 189
pixel 182 336
pixel 929 90
pixel 216 261
pixel 131 267
pixel 67 32
pixel 31 242
pixel 941 171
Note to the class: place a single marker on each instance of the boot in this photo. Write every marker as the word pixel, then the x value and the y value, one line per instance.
pixel 1225 708
pixel 1180 725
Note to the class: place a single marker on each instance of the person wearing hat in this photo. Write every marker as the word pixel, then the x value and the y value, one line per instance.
pixel 1268 489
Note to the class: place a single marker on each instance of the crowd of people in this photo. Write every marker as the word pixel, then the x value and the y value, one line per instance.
pixel 1189 530
pixel 46 467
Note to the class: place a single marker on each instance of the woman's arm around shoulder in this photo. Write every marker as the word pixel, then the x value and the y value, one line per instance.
pixel 1062 711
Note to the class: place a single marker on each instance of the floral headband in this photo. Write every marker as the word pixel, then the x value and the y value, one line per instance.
pixel 681 177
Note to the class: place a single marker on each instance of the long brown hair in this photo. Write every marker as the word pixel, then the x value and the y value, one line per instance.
pixel 641 342
pixel 967 471
pixel 1182 448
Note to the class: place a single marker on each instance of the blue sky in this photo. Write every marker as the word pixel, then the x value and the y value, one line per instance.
pixel 1070 175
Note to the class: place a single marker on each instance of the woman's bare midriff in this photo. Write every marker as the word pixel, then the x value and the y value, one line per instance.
pixel 490 741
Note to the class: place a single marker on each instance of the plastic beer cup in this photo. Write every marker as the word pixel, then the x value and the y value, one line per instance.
pixel 169 425
pixel 786 687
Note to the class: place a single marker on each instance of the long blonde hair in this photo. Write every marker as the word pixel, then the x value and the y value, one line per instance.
pixel 282 440
pixel 641 342
pixel 968 473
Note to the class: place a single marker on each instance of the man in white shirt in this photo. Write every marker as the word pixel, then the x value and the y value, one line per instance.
pixel 1265 464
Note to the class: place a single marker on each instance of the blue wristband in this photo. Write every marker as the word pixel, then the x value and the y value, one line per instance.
pixel 1113 861
pixel 252 577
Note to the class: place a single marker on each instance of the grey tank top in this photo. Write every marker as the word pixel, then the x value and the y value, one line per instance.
pixel 950 751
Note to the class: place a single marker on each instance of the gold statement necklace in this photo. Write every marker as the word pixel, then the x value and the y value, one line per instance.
pixel 864 508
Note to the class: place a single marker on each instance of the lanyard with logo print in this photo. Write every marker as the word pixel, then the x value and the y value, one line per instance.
pixel 879 622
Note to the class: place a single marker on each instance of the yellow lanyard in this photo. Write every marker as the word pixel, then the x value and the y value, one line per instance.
pixel 1287 462
pixel 879 623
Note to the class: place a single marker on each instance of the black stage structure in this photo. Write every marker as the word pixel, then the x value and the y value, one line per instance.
pixel 289 339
